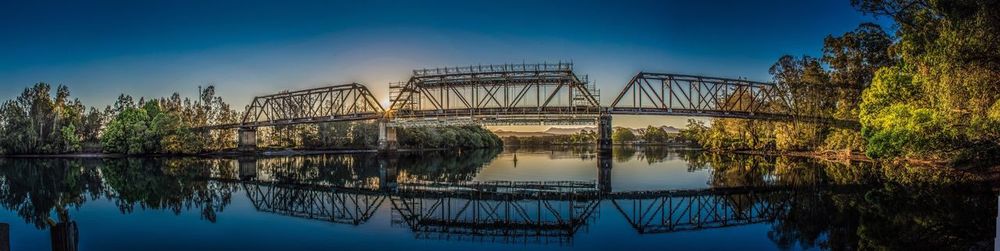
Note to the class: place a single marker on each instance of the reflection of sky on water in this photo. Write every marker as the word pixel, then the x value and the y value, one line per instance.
pixel 926 216
pixel 634 174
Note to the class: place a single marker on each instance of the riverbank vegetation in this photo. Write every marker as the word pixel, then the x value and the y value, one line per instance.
pixel 650 135
pixel 42 122
pixel 928 92
pixel 364 135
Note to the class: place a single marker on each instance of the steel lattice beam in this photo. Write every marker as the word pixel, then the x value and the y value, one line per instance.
pixel 348 102
pixel 690 95
pixel 526 94
pixel 497 92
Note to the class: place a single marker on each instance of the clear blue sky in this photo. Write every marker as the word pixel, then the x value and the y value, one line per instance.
pixel 249 48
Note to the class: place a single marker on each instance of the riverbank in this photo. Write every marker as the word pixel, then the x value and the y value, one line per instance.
pixel 275 152
pixel 824 155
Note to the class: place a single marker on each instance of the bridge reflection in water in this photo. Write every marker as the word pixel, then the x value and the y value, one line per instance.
pixel 694 210
pixel 798 204
pixel 506 211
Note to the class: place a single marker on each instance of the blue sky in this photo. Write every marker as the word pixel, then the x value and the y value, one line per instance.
pixel 246 48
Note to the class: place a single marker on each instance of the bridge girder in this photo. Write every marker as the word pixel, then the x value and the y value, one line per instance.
pixel 526 94
pixel 349 102
pixel 700 96
pixel 662 94
pixel 509 90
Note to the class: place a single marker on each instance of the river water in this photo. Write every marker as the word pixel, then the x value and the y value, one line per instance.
pixel 523 199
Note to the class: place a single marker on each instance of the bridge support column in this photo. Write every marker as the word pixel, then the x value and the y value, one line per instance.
pixel 386 137
pixel 604 133
pixel 247 141
pixel 604 153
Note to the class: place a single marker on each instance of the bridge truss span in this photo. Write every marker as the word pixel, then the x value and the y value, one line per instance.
pixel 493 93
pixel 350 102
pixel 689 95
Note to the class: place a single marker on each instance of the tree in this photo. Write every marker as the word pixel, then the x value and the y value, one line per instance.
pixel 126 132
pixel 37 122
pixel 655 135
pixel 622 135
pixel 940 99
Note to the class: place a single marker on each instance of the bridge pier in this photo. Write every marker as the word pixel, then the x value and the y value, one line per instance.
pixel 604 153
pixel 386 137
pixel 247 141
pixel 604 131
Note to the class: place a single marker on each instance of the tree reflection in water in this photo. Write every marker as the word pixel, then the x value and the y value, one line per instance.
pixel 806 203
pixel 897 207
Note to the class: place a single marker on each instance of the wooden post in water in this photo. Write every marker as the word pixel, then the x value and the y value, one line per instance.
pixel 4 236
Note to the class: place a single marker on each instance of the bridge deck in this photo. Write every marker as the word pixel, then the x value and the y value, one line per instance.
pixel 489 94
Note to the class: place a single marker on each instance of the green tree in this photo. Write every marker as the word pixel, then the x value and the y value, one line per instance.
pixel 622 135
pixel 37 122
pixel 655 135
pixel 940 100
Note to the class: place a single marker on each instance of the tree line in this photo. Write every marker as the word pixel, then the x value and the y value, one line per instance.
pixel 927 92
pixel 38 122
pixel 364 135
pixel 620 135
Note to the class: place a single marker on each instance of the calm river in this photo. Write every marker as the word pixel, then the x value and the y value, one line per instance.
pixel 511 199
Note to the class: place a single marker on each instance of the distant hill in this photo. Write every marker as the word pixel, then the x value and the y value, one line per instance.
pixel 670 129
pixel 568 131
pixel 503 134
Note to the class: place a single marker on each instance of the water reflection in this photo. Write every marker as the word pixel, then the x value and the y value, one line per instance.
pixel 443 196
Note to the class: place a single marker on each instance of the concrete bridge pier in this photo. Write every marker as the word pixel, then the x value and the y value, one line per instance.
pixel 386 137
pixel 604 131
pixel 247 141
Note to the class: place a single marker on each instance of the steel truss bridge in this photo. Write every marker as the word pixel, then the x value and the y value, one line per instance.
pixel 521 94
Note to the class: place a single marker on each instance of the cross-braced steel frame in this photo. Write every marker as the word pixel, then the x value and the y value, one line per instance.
pixel 525 94
pixel 350 102
pixel 538 92
pixel 690 95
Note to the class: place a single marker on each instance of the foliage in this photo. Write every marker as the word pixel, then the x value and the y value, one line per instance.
pixel 939 99
pixel 448 137
pixel 655 135
pixel 38 123
pixel 165 126
pixel 623 135
pixel 584 137
pixel 364 135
